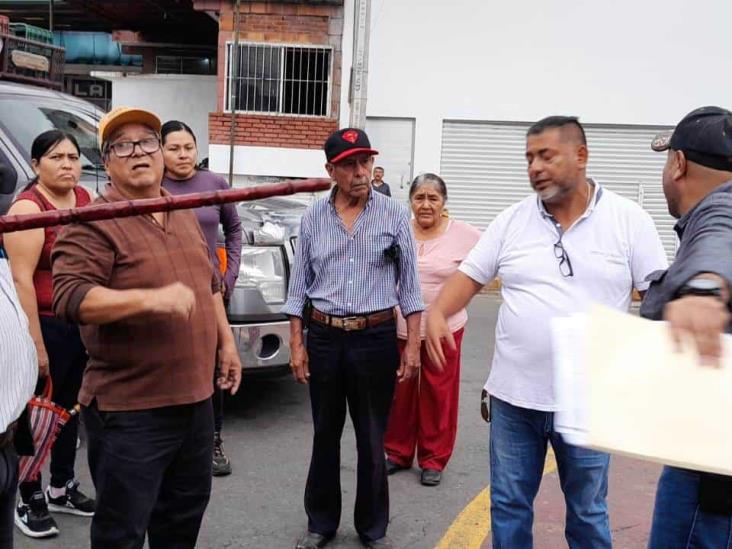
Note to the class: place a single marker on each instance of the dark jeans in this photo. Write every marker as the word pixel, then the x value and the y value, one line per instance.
pixel 8 486
pixel 67 358
pixel 217 399
pixel 678 520
pixel 357 368
pixel 152 473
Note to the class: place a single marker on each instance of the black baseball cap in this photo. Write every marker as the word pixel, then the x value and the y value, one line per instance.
pixel 346 142
pixel 704 136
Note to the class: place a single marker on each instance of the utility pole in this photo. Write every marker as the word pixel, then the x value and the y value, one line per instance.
pixel 50 15
pixel 233 89
pixel 360 68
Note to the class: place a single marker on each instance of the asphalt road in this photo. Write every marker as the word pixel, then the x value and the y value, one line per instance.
pixel 267 434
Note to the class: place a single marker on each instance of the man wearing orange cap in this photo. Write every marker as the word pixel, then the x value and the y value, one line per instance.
pixel 152 318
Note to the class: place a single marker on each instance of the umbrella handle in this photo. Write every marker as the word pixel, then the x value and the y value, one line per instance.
pixel 48 388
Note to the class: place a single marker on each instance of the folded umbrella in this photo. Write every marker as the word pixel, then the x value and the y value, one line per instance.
pixel 46 421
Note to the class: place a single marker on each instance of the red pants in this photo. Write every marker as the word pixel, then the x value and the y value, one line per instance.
pixel 424 413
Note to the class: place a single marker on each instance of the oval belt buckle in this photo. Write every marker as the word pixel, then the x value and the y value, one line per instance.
pixel 351 323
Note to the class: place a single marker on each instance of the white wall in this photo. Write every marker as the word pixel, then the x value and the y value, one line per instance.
pixel 188 98
pixel 614 62
pixel 268 161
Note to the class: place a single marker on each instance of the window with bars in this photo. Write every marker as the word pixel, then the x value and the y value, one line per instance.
pixel 280 79
pixel 176 64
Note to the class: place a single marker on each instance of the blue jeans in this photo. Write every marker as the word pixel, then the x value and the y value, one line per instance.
pixel 518 445
pixel 678 523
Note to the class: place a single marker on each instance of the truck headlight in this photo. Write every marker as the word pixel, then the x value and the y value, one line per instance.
pixel 263 268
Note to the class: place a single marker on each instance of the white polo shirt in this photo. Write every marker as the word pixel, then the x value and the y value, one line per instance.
pixel 612 248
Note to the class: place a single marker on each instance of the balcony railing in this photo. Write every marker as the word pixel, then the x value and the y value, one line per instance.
pixel 31 62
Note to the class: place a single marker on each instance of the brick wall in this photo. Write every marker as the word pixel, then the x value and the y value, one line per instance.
pixel 279 23
pixel 271 131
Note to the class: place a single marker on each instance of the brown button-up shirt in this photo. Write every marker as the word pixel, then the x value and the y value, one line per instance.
pixel 144 362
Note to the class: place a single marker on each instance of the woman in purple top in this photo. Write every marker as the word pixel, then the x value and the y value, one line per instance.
pixel 183 177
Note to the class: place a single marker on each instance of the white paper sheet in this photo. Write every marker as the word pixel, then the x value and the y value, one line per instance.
pixel 623 389
pixel 570 379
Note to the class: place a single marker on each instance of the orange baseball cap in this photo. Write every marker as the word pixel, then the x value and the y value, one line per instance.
pixel 125 115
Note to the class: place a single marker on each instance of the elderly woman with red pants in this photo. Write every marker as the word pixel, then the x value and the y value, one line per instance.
pixel 424 413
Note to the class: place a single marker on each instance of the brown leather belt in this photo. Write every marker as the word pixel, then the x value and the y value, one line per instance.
pixel 351 323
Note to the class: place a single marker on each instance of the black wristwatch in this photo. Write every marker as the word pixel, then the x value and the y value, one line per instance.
pixel 701 287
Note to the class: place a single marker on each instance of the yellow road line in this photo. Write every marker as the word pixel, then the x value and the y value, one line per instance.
pixel 473 524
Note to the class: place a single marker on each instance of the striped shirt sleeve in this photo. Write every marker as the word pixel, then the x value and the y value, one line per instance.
pixel 408 289
pixel 302 272
pixel 18 362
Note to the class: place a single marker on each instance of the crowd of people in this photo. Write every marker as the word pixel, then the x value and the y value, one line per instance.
pixel 570 244
pixel 127 318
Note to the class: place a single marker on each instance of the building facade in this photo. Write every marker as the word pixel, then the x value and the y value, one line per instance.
pixel 469 76
pixel 287 78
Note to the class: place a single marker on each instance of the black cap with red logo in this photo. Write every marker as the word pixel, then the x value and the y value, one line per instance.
pixel 346 142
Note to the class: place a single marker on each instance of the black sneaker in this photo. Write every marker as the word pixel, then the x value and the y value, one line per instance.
pixel 221 463
pixel 74 502
pixel 33 518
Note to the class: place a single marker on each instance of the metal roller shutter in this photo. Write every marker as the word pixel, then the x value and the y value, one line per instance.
pixel 484 167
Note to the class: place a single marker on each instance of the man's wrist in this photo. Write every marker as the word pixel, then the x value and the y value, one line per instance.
pixel 227 344
pixel 147 300
pixel 704 286
pixel 436 310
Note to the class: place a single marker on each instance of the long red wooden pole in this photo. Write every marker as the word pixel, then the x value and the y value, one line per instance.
pixel 128 208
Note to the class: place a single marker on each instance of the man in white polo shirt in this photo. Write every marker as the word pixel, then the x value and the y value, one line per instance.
pixel 571 244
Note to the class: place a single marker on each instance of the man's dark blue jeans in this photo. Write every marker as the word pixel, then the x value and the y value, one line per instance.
pixel 152 473
pixel 679 523
pixel 518 446
pixel 356 368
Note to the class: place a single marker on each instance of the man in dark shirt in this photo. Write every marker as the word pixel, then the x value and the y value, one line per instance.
pixel 378 183
pixel 152 319
pixel 693 295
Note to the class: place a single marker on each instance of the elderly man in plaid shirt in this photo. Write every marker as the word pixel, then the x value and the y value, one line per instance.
pixel 355 263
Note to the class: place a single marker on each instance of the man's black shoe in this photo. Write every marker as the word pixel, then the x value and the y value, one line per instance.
pixel 392 467
pixel 382 543
pixel 431 477
pixel 311 540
